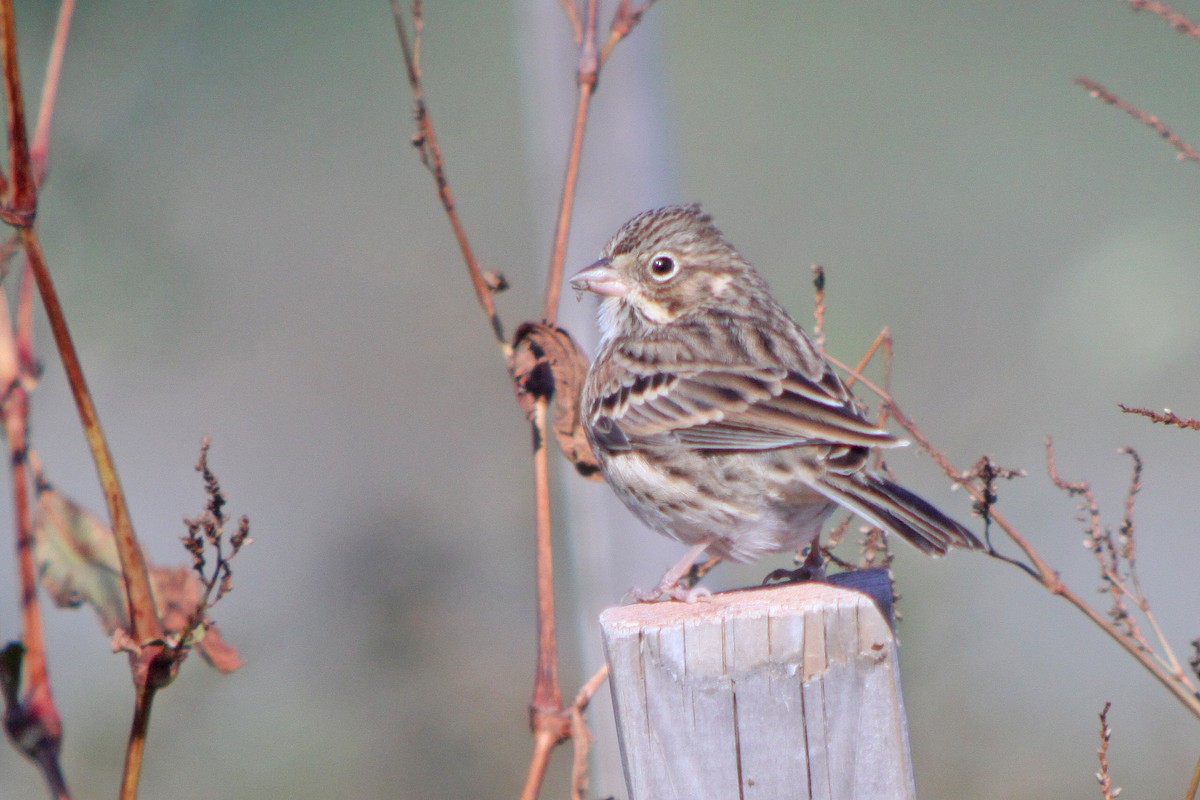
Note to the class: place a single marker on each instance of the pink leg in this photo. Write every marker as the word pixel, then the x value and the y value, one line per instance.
pixel 669 587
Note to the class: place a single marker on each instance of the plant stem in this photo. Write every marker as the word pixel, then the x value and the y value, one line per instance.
pixel 589 66
pixel 136 748
pixel 144 622
pixel 547 696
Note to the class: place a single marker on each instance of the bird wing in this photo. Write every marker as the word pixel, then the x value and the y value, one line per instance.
pixel 730 407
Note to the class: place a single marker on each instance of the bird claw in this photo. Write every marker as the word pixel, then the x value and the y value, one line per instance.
pixel 677 591
pixel 799 575
pixel 813 569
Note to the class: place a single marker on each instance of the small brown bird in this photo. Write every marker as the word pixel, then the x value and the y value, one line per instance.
pixel 714 417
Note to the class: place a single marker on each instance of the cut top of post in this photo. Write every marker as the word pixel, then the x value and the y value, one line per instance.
pixel 787 691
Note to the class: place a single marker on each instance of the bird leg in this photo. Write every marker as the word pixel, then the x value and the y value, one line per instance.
pixel 673 585
pixel 813 568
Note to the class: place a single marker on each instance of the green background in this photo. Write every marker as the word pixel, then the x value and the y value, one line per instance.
pixel 247 247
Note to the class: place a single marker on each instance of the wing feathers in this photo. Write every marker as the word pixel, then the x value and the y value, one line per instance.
pixel 896 510
pixel 734 409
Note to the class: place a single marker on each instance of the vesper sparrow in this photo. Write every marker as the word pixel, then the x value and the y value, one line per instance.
pixel 714 417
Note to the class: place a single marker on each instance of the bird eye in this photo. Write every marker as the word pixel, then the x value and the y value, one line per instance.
pixel 663 267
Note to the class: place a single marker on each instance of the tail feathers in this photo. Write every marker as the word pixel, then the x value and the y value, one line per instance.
pixel 897 510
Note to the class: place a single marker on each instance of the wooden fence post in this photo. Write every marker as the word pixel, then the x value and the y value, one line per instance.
pixel 789 691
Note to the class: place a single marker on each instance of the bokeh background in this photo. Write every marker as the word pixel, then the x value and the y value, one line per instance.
pixel 247 247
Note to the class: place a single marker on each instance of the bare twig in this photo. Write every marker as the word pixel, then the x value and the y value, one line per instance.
pixel 985 473
pixel 24 196
pixel 40 150
pixel 882 339
pixel 1107 790
pixel 532 368
pixel 1185 152
pixel 573 18
pixel 547 697
pixel 1165 417
pixel 145 625
pixel 1125 536
pixel 431 156
pixel 544 742
pixel 18 210
pixel 1180 686
pixel 31 719
pixel 20 199
pixel 586 75
pixel 1116 555
pixel 625 19
pixel 819 305
pixel 1177 21
pixel 580 735
pixel 205 539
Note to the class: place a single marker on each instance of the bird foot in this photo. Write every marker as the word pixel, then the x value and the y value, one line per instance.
pixel 678 591
pixel 799 575
pixel 679 582
pixel 813 569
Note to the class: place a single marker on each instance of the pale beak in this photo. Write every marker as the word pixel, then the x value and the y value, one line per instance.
pixel 600 278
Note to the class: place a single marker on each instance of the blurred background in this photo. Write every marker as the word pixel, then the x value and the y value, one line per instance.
pixel 248 248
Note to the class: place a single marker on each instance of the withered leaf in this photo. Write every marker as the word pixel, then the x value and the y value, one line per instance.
pixel 177 592
pixel 77 559
pixel 78 563
pixel 546 363
pixel 495 281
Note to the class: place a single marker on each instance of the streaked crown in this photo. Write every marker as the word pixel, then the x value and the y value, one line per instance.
pixel 667 264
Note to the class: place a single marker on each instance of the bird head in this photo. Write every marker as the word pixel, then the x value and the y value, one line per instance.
pixel 663 266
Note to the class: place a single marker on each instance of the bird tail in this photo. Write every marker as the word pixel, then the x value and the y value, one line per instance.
pixel 897 510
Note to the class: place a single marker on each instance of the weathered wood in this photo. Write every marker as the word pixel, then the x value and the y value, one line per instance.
pixel 788 691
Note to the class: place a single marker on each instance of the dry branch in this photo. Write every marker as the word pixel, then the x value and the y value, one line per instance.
pixel 426 143
pixel 543 361
pixel 1177 21
pixel 1164 417
pixel 1107 790
pixel 1185 152
pixel 1177 683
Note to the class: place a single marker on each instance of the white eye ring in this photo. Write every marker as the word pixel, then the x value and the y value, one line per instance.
pixel 663 267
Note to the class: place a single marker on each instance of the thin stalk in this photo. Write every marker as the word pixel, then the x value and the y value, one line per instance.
pixel 547 696
pixel 543 746
pixel 23 199
pixel 40 149
pixel 589 65
pixel 144 622
pixel 136 749
pixel 1036 568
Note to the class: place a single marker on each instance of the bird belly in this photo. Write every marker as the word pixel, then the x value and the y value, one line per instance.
pixel 729 500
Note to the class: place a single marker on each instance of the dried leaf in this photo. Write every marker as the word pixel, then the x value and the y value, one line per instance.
pixel 77 560
pixel 495 281
pixel 78 563
pixel 547 363
pixel 219 654
pixel 177 592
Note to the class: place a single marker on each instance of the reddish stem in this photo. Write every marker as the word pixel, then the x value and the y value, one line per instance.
pixel 144 621
pixel 586 75
pixel 40 150
pixel 22 202
pixel 135 750
pixel 40 714
pixel 1037 568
